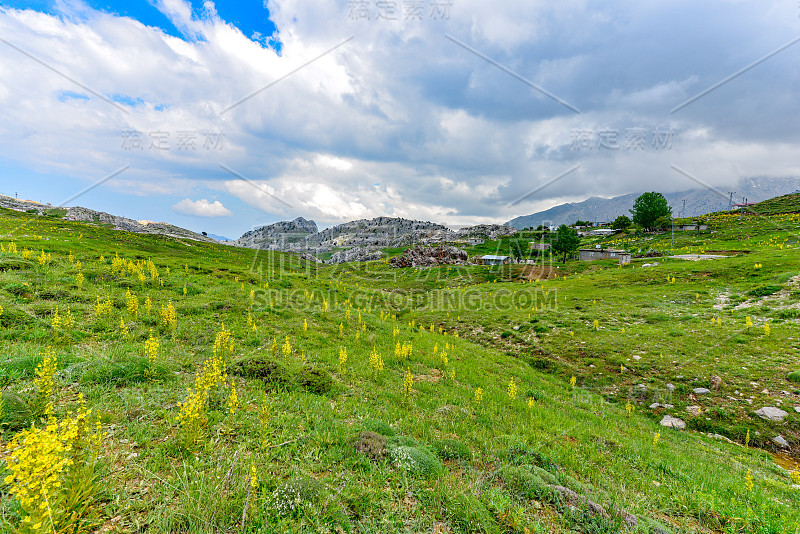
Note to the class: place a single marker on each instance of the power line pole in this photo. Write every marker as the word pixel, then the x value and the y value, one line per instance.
pixel 730 200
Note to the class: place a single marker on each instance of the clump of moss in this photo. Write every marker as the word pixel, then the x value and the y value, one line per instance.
pixel 794 376
pixel 372 444
pixel 451 449
pixel 416 461
pixel 373 425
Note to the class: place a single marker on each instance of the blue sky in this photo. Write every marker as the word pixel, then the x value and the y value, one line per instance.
pixel 229 115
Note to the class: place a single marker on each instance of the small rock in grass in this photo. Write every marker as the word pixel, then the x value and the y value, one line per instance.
pixel 655 405
pixel 693 410
pixel 797 409
pixel 670 387
pixel 781 441
pixel 715 381
pixel 771 413
pixel 672 422
pixel 701 391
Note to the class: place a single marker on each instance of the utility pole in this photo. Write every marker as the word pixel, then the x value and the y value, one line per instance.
pixel 730 200
pixel 673 236
pixel 683 209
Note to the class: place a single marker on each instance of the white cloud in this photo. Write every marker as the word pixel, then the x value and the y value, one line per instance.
pixel 201 208
pixel 446 135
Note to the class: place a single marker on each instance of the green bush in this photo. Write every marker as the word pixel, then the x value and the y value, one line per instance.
pixel 416 461
pixel 794 376
pixel 451 449
pixel 316 380
pixel 271 372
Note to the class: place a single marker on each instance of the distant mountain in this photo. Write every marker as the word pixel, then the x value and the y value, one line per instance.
pixel 698 202
pixel 219 237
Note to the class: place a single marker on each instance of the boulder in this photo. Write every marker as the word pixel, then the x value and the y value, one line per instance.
pixel 672 422
pixel 781 441
pixel 701 391
pixel 693 410
pixel 771 413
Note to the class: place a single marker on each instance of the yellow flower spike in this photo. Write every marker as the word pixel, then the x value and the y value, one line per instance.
pixel 748 481
pixel 572 382
pixel 656 437
pixel 512 390
pixel 766 329
pixel 408 382
pixel 478 395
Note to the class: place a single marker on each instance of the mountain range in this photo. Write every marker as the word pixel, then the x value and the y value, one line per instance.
pixel 698 202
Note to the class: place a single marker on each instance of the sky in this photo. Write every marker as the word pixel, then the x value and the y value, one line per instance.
pixel 221 117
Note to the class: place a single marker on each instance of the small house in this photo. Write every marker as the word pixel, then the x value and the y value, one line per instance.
pixel 602 231
pixel 475 241
pixel 491 259
pixel 589 254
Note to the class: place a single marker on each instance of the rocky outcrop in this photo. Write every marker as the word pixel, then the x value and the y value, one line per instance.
pixel 430 256
pixel 380 232
pixel 284 235
pixel 356 254
pixel 487 231
pixel 130 225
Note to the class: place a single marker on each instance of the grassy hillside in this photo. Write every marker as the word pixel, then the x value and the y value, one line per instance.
pixel 371 399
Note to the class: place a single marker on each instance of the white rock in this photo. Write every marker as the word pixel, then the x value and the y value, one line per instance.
pixel 670 387
pixel 693 410
pixel 771 413
pixel 701 391
pixel 797 409
pixel 672 422
pixel 781 441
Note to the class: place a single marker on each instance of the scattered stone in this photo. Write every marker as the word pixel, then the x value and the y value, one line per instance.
pixel 796 486
pixel 701 391
pixel 670 387
pixel 655 405
pixel 771 413
pixel 797 409
pixel 781 441
pixel 672 422
pixel 715 381
pixel 693 410
pixel 720 436
pixel 635 357
pixel 765 391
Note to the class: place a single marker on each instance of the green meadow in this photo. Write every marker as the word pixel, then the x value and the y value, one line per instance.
pixel 219 389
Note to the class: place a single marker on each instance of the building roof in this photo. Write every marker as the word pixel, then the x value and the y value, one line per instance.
pixel 619 251
pixel 493 257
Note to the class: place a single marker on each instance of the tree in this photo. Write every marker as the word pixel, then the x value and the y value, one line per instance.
pixel 621 223
pixel 566 241
pixel 582 223
pixel 649 208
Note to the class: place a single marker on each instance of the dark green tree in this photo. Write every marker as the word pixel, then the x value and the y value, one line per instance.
pixel 622 222
pixel 566 241
pixel 649 208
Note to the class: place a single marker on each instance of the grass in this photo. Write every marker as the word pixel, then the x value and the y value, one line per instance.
pixel 433 457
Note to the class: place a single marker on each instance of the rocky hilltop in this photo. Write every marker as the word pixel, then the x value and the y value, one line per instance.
pixel 283 235
pixel 101 217
pixel 131 225
pixel 301 235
